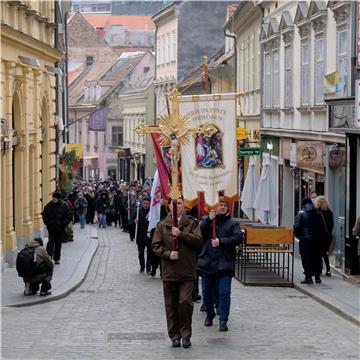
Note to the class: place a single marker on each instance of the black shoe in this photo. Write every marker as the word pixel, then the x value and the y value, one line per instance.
pixel 307 281
pixel 44 293
pixel 197 298
pixel 57 262
pixel 317 280
pixel 175 343
pixel 328 273
pixel 141 270
pixel 153 273
pixel 208 321
pixel 223 326
pixel 186 343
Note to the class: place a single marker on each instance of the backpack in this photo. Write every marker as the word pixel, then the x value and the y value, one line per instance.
pixel 26 265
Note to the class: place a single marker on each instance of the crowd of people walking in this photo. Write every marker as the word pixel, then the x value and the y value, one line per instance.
pixel 204 247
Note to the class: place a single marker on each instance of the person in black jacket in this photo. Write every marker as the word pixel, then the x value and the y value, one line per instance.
pixel 323 206
pixel 101 204
pixel 142 239
pixel 217 259
pixel 309 228
pixel 56 216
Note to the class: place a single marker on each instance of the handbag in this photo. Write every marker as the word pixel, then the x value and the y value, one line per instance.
pixel 329 235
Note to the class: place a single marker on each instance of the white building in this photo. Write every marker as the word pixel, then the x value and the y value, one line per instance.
pixel 302 41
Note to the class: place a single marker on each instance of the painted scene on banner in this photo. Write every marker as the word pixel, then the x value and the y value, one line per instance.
pixel 209 163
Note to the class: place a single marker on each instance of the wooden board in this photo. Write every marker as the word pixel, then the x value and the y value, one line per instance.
pixel 268 236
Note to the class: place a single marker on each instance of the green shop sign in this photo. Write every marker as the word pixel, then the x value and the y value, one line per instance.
pixel 249 151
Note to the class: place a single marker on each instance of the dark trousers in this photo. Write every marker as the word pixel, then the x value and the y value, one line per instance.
pixel 223 286
pixel 142 244
pixel 124 220
pixel 45 283
pixel 310 258
pixel 53 246
pixel 179 308
pixel 132 231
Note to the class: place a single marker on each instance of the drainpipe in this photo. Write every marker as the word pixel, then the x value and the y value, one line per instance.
pixel 235 55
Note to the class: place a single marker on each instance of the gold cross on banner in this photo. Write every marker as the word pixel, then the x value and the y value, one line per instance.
pixel 175 130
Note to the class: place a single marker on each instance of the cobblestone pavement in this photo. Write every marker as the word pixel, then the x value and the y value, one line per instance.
pixel 118 313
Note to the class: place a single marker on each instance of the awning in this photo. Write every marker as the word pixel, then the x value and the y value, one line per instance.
pixel 91 157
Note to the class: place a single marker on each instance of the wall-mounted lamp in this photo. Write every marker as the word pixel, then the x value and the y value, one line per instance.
pixel 4 136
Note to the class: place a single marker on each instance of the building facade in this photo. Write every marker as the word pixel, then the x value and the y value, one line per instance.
pixel 178 50
pixel 29 120
pixel 298 54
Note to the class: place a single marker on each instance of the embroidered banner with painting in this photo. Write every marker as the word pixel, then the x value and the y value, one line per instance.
pixel 209 164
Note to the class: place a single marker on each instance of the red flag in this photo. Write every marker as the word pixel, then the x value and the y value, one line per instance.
pixel 163 166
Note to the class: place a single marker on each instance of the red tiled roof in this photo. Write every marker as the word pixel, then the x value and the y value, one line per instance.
pixel 131 22
pixel 73 75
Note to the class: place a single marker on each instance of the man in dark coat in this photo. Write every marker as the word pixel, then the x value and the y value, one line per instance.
pixel 308 228
pixel 217 261
pixel 101 204
pixel 142 239
pixel 131 208
pixel 56 216
pixel 178 271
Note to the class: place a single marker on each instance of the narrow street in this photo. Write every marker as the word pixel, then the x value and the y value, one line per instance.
pixel 118 313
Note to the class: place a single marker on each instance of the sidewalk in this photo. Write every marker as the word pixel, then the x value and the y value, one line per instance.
pixel 334 292
pixel 76 257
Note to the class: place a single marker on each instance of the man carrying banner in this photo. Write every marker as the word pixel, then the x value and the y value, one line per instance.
pixel 217 259
pixel 178 271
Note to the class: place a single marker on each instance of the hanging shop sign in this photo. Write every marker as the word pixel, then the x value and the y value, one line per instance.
pixel 309 156
pixel 241 134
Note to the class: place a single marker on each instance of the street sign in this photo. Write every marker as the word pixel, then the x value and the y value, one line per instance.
pixel 241 134
pixel 249 151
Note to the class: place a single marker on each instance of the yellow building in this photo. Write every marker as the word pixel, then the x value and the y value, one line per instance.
pixel 28 114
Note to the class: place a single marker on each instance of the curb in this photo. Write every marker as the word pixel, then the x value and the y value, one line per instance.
pixel 331 307
pixel 77 279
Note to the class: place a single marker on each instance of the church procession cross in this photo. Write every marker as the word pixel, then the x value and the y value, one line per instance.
pixel 175 131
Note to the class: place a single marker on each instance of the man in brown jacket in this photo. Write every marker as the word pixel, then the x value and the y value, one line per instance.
pixel 178 271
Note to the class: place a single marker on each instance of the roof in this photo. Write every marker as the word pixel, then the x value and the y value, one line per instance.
pixel 130 22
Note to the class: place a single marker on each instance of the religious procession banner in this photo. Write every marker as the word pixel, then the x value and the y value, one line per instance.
pixel 209 162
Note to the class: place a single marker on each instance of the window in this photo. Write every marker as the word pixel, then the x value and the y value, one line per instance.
pixel 276 80
pixel 288 76
pixel 267 89
pixel 305 73
pixel 343 62
pixel 319 70
pixel 97 92
pixel 117 136
pixel 86 93
pixel 89 60
pixel 92 93
pixel 169 38
pixel 173 55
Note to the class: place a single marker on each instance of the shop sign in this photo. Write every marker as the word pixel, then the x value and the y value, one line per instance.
pixel 249 151
pixel 77 148
pixel 337 158
pixel 309 156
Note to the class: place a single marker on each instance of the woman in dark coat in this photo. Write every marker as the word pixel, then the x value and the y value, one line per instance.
pixel 323 206
pixel 89 196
